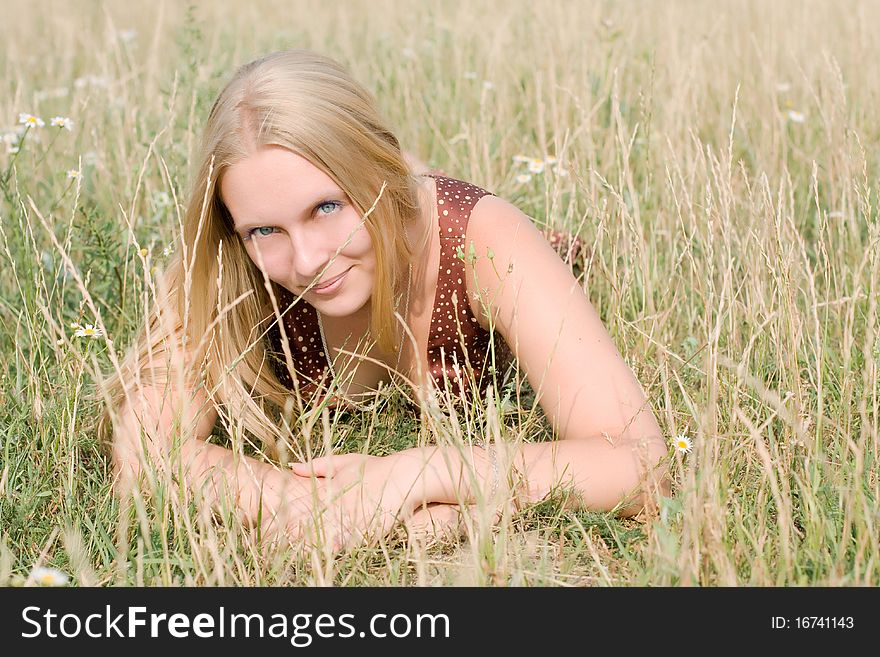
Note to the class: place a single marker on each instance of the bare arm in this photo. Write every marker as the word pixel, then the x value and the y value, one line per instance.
pixel 143 435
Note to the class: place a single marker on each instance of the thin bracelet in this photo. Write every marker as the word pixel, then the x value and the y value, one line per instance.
pixel 493 459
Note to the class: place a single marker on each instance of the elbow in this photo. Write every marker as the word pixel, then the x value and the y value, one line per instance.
pixel 652 479
pixel 125 467
pixel 135 456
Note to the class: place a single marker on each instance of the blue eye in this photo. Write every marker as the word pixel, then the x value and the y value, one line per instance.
pixel 251 232
pixel 333 205
pixel 324 204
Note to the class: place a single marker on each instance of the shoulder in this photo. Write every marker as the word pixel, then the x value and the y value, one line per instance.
pixel 497 227
pixel 491 213
pixel 504 250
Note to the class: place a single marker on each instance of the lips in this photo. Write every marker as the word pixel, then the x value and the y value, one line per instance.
pixel 329 283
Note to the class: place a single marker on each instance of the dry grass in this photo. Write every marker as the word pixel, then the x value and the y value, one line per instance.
pixel 723 171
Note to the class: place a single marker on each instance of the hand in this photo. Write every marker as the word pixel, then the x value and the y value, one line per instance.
pixel 285 498
pixel 361 495
pixel 436 522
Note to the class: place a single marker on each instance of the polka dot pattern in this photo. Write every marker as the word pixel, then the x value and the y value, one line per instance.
pixel 456 341
pixel 300 325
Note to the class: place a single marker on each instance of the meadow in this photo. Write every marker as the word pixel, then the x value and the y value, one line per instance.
pixel 719 160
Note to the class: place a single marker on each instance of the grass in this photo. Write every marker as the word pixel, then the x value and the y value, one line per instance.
pixel 723 169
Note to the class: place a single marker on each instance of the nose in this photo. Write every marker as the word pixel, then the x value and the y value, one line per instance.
pixel 310 256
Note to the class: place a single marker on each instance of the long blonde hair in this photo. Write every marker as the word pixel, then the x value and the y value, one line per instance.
pixel 310 105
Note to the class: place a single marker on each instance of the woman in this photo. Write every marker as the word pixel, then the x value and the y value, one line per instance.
pixel 316 265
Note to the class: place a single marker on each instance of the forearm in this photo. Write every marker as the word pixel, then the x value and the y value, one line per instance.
pixel 217 475
pixel 602 473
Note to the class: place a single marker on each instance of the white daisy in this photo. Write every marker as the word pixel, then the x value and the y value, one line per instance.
pixel 88 331
pixel 62 122
pixel 30 120
pixel 683 444
pixel 523 178
pixel 48 576
pixel 73 174
pixel 536 166
pixel 521 159
pixel 796 117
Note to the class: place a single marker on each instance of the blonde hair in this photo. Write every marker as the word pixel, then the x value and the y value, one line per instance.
pixel 310 105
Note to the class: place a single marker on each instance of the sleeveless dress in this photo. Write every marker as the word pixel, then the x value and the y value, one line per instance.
pixel 459 349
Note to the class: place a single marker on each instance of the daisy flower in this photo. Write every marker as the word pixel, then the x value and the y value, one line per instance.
pixel 161 199
pixel 62 122
pixel 521 159
pixel 550 160
pixel 88 331
pixel 536 166
pixel 30 120
pixel 48 576
pixel 796 117
pixel 75 325
pixel 683 444
pixel 167 250
pixel 73 174
pixel 523 178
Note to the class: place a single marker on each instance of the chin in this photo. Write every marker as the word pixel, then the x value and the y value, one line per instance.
pixel 341 306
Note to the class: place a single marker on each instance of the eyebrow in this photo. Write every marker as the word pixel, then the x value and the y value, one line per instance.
pixel 326 195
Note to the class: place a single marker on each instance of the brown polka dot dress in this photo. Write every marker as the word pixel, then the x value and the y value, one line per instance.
pixel 460 352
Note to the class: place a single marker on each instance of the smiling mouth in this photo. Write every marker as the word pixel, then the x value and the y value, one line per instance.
pixel 330 283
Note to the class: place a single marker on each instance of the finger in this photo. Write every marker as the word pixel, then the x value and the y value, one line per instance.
pixel 318 467
pixel 436 521
pixel 325 466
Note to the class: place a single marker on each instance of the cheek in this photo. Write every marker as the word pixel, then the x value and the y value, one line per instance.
pixel 361 245
pixel 273 262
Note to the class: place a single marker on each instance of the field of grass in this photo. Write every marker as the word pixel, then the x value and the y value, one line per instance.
pixel 722 162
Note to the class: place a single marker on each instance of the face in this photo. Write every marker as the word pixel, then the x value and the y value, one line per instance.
pixel 296 218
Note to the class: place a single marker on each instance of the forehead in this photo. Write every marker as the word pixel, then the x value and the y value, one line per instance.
pixel 272 182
